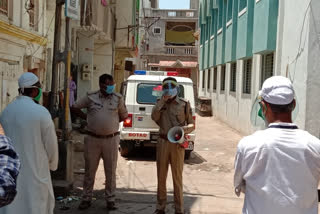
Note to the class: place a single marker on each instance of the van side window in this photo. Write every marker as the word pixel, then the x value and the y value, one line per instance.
pixel 148 93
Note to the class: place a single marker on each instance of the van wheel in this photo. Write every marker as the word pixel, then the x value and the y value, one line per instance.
pixel 125 148
pixel 187 154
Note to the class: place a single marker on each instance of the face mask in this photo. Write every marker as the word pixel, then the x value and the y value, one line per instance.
pixel 262 116
pixel 170 89
pixel 170 92
pixel 37 98
pixel 110 89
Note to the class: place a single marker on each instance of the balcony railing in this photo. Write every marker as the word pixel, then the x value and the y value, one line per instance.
pixel 174 14
pixel 176 50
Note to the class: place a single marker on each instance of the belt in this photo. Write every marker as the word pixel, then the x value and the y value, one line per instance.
pixel 103 136
pixel 164 136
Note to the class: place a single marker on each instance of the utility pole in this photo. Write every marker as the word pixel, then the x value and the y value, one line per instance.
pixel 64 172
pixel 57 58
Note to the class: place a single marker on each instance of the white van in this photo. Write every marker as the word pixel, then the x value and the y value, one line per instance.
pixel 140 94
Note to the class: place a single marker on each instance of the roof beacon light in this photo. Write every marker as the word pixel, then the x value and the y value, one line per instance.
pixel 140 72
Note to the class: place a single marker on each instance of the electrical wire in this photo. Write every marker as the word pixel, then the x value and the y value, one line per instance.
pixel 300 48
pixel 46 35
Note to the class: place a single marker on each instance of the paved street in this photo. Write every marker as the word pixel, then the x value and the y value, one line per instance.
pixel 208 178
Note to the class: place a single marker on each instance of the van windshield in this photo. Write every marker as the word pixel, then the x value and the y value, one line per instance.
pixel 148 93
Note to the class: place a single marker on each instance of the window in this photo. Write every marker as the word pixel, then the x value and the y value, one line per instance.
pixel 170 50
pixel 188 51
pixel 149 93
pixel 267 67
pixel 4 7
pixel 223 78
pixel 153 68
pixel 230 10
pixel 172 13
pixel 242 5
pixel 157 30
pixel 233 77
pixel 203 79
pixel 33 14
pixel 189 14
pixel 215 78
pixel 209 78
pixel 247 76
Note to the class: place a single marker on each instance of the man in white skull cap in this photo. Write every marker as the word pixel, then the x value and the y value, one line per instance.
pixel 32 131
pixel 278 169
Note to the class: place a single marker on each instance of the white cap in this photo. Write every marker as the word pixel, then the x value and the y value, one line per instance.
pixel 277 90
pixel 27 79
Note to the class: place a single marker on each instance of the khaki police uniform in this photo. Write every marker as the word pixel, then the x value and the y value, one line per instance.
pixel 103 117
pixel 167 115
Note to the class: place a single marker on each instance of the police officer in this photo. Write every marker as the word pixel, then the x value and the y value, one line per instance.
pixel 170 111
pixel 278 169
pixel 105 109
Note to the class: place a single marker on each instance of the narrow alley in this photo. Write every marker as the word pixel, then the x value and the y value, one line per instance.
pixel 208 178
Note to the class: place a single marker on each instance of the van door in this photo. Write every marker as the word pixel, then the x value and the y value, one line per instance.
pixel 146 98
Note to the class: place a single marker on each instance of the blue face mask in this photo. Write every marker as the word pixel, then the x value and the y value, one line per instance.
pixel 110 89
pixel 170 92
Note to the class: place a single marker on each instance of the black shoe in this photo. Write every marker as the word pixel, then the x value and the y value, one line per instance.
pixel 159 212
pixel 84 205
pixel 111 205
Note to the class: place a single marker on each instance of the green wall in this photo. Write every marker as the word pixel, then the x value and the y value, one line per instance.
pixel 255 31
pixel 265 26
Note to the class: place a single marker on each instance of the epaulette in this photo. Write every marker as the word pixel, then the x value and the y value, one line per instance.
pixel 117 94
pixel 93 92
pixel 184 100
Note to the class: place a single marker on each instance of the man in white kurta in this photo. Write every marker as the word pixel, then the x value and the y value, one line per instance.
pixel 278 169
pixel 32 131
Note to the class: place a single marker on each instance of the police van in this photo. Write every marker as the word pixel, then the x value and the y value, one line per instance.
pixel 141 92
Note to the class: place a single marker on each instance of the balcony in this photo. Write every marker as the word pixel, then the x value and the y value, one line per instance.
pixel 175 51
pixel 174 14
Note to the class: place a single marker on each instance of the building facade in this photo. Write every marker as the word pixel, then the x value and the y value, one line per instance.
pixel 23 41
pixel 168 38
pixel 243 42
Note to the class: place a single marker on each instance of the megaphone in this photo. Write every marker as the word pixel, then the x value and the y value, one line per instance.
pixel 176 135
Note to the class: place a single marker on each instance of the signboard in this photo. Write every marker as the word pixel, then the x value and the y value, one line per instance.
pixel 72 9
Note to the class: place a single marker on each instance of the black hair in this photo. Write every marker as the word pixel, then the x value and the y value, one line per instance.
pixel 282 108
pixel 104 77
pixel 28 91
pixel 169 78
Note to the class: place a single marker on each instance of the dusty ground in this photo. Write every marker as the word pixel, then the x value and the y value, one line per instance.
pixel 208 178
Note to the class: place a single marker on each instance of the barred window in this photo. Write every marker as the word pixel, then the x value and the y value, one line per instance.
pixel 223 78
pixel 233 77
pixel 209 78
pixel 247 72
pixel 267 67
pixel 33 14
pixel 215 78
pixel 203 79
pixel 4 7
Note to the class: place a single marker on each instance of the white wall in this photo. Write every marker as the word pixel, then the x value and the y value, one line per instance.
pixel 86 48
pixel 313 80
pixel 13 51
pixel 292 48
pixel 124 19
pixel 103 60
